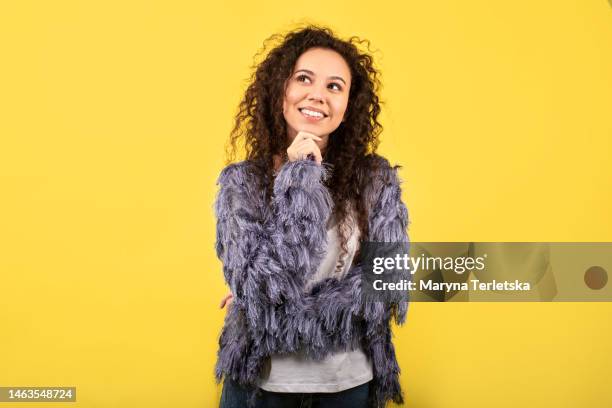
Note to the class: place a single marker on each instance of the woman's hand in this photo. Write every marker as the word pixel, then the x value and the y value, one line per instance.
pixel 227 300
pixel 303 145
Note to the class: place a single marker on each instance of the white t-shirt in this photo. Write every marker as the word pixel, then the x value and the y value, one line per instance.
pixel 340 370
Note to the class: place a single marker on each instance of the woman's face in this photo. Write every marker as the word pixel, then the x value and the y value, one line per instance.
pixel 317 93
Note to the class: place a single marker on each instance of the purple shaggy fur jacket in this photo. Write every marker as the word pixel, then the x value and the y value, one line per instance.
pixel 269 251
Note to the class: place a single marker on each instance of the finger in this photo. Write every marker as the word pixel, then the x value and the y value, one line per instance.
pixel 301 151
pixel 308 143
pixel 304 145
pixel 303 154
pixel 314 148
pixel 315 152
pixel 318 157
pixel 305 136
pixel 224 300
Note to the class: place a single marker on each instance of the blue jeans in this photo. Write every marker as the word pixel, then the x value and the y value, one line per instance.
pixel 234 396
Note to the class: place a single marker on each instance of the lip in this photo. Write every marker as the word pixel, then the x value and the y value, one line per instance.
pixel 310 108
pixel 312 118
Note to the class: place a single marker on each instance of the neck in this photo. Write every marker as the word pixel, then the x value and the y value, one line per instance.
pixel 322 146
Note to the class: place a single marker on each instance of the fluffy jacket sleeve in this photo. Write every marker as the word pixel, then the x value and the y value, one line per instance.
pixel 333 307
pixel 335 315
pixel 388 221
pixel 263 248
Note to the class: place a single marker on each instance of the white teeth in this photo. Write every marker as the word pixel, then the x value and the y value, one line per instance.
pixel 312 113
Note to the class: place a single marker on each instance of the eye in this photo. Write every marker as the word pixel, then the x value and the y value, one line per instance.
pixel 302 78
pixel 337 85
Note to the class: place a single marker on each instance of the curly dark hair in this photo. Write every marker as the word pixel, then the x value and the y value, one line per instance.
pixel 260 121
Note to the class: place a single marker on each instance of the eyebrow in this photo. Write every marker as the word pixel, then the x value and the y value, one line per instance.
pixel 313 74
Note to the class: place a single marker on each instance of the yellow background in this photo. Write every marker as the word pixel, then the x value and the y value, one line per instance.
pixel 113 119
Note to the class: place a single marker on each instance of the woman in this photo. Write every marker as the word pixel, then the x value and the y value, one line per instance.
pixel 291 219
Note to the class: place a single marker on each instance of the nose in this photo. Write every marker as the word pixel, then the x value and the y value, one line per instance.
pixel 316 95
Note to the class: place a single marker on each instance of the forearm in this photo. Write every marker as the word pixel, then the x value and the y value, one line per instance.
pixel 301 208
pixel 389 224
pixel 266 253
pixel 335 307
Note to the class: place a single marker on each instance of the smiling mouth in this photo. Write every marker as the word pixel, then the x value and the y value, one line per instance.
pixel 312 114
